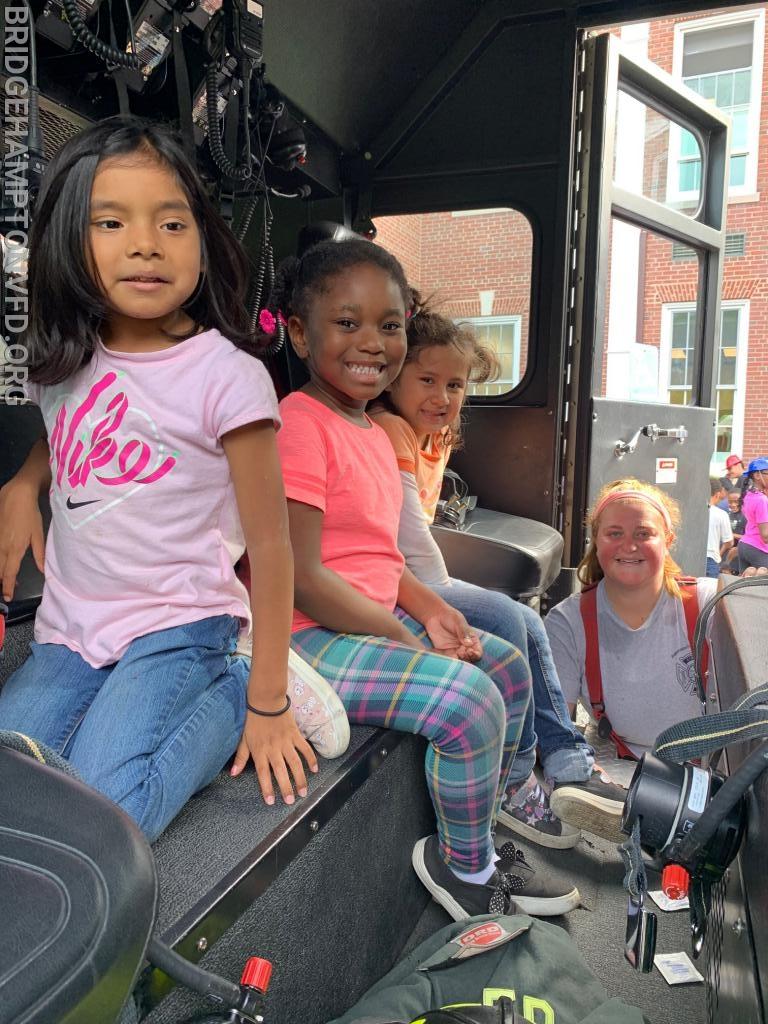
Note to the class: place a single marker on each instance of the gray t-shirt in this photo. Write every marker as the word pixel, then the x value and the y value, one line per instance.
pixel 648 677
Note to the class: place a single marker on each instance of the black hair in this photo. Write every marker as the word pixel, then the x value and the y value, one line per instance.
pixel 746 485
pixel 298 279
pixel 715 486
pixel 67 307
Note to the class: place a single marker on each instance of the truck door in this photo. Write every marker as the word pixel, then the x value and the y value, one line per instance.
pixel 649 183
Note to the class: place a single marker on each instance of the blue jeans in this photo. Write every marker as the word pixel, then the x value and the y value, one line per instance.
pixel 713 568
pixel 147 731
pixel 565 754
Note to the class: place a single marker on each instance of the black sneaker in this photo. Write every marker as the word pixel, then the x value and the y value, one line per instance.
pixel 534 894
pixel 595 805
pixel 503 893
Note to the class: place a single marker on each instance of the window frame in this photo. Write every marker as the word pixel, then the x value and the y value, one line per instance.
pixel 742 345
pixel 516 319
pixel 749 188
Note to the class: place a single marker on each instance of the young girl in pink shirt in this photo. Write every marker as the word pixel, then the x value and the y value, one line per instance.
pixel 162 466
pixel 396 653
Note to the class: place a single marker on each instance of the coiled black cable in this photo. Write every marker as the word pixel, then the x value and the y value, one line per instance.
pixel 220 158
pixel 92 43
pixel 263 282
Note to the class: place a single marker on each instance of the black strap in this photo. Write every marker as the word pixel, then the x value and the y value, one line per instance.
pixel 745 719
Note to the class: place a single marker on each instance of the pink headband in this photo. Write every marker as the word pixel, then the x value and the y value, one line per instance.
pixel 612 496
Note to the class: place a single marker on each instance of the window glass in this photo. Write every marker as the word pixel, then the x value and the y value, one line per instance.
pixel 475 266
pixel 642 143
pixel 648 353
pixel 717 64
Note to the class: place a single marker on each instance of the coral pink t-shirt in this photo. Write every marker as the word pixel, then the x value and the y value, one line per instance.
pixel 350 473
pixel 426 464
pixel 145 530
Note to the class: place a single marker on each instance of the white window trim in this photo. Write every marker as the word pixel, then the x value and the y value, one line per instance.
pixel 749 188
pixel 486 321
pixel 665 347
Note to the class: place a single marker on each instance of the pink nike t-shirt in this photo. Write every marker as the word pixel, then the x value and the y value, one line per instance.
pixel 145 530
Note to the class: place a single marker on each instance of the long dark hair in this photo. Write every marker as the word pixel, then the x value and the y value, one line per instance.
pixel 746 485
pixel 67 308
pixel 297 279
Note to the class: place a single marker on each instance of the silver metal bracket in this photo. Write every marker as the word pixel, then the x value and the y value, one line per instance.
pixel 651 431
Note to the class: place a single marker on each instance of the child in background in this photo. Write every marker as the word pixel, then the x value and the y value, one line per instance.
pixel 420 413
pixel 738 526
pixel 626 638
pixel 397 655
pixel 720 536
pixel 160 443
pixel 753 546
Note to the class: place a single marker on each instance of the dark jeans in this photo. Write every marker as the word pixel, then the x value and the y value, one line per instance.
pixel 750 555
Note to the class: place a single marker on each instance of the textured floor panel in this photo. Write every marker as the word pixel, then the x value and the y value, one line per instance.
pixel 336 918
pixel 218 828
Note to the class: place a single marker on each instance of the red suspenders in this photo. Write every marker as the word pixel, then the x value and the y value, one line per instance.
pixel 588 608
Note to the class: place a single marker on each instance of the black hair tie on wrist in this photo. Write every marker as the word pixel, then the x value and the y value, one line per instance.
pixel 270 714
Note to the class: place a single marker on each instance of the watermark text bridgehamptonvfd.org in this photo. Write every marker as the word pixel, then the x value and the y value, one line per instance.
pixel 17 44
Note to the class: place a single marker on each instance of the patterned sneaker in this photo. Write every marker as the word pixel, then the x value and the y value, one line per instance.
pixel 319 713
pixel 510 888
pixel 595 805
pixel 526 812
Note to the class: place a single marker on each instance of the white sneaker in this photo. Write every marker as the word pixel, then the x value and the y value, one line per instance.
pixel 319 713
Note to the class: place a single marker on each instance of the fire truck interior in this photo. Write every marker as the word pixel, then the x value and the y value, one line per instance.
pixel 303 115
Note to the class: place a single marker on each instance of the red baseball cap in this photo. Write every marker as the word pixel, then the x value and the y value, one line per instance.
pixel 732 460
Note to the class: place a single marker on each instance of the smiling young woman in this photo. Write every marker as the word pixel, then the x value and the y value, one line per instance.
pixel 627 633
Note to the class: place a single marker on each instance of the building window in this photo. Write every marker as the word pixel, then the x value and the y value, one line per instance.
pixel 502 334
pixel 681 356
pixel 677 351
pixel 721 60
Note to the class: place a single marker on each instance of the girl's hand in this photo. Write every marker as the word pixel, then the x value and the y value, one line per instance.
pixel 275 744
pixel 21 527
pixel 405 636
pixel 451 634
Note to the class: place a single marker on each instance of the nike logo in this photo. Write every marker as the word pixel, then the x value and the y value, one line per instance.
pixel 79 504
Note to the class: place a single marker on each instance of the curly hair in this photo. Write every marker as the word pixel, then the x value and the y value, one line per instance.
pixel 589 569
pixel 426 328
pixel 297 279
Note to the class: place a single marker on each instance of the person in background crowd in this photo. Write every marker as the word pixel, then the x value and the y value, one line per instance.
pixel 753 547
pixel 734 467
pixel 720 536
pixel 738 526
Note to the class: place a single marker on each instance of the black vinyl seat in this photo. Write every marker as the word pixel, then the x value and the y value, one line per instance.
pixel 78 891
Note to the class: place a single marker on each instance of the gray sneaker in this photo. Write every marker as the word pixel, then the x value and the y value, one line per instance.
pixel 510 889
pixel 595 805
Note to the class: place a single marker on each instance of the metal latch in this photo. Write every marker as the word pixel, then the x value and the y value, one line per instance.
pixel 651 431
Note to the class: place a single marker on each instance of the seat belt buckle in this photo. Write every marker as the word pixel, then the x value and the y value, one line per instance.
pixel 640 942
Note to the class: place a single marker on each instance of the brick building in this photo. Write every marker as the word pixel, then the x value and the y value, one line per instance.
pixel 479 261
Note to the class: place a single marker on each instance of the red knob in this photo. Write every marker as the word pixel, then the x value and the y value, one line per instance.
pixel 675 881
pixel 256 973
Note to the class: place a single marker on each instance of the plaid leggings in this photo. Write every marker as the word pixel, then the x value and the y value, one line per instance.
pixel 471 714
